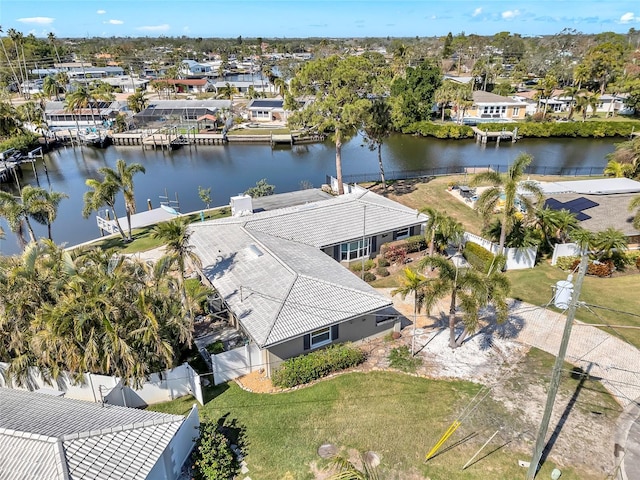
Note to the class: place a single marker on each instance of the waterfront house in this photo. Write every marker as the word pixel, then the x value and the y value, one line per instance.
pixel 180 110
pixel 58 116
pixel 267 110
pixel 489 107
pixel 280 276
pixel 44 436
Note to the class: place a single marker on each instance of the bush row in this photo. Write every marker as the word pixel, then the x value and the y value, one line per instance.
pixel 439 130
pixel 22 143
pixel 576 128
pixel 478 257
pixel 318 364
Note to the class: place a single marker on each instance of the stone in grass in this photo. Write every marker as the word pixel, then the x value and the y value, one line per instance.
pixel 244 470
pixel 327 450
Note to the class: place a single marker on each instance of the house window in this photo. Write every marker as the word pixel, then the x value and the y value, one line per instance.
pixel 320 337
pixel 516 111
pixel 353 250
pixel 402 233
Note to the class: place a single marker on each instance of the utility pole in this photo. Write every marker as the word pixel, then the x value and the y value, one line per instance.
pixel 557 369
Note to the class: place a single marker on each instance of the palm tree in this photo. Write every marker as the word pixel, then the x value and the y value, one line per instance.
pixel 52 39
pixel 618 170
pixel 444 95
pixel 13 72
pixel 414 284
pixel 81 97
pixel 610 243
pixel 45 208
pixel 345 469
pixel 440 229
pixel 12 210
pixel 50 87
pixel 63 80
pixel 377 126
pixel 122 176
pixel 509 185
pixel 570 92
pixel 175 233
pixel 138 101
pixel 228 91
pixel 470 290
pixel 17 38
pixel 555 225
pixel 101 194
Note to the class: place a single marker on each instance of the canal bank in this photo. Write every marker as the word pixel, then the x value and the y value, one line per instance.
pixel 231 169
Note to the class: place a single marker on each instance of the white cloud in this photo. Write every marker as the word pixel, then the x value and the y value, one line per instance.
pixel 154 28
pixel 628 17
pixel 509 14
pixel 114 22
pixel 477 12
pixel 101 12
pixel 37 20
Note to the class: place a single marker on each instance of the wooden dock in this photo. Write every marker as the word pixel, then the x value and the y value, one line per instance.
pixel 483 135
pixel 164 140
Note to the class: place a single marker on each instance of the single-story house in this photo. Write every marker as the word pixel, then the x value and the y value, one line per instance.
pixel 186 110
pixel 44 436
pixel 597 204
pixel 267 110
pixel 185 85
pixel 243 86
pixel 279 271
pixel 125 83
pixel 489 107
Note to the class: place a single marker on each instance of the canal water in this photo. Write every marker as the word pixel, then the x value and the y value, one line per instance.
pixel 231 169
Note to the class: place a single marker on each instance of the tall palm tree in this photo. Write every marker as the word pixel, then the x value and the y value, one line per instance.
pixel 101 194
pixel 31 204
pixel 52 40
pixel 175 233
pixel 414 284
pixel 444 95
pixel 377 126
pixel 17 38
pixel 6 56
pixel 45 208
pixel 80 98
pixel 571 92
pixel 510 185
pixel 122 176
pixel 468 289
pixel 50 87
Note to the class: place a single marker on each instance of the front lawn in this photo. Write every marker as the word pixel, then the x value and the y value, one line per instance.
pixel 398 416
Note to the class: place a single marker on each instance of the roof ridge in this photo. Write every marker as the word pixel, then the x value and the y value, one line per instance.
pixel 343 287
pixel 30 435
pixel 122 428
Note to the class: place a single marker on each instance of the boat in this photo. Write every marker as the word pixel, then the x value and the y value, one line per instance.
pixel 95 138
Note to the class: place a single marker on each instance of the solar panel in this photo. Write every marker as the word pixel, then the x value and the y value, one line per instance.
pixel 581 216
pixel 553 204
pixel 575 206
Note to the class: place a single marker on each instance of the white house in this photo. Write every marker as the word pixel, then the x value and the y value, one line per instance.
pixel 193 69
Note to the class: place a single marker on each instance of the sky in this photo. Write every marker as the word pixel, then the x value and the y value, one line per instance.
pixel 314 18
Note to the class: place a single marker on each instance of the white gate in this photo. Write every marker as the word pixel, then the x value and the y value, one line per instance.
pixel 235 363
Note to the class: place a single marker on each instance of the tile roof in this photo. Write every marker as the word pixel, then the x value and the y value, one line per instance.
pixel 46 437
pixel 480 97
pixel 272 274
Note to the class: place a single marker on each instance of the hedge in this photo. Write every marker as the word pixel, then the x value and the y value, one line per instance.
pixel 478 257
pixel 415 243
pixel 23 143
pixel 575 128
pixel 318 364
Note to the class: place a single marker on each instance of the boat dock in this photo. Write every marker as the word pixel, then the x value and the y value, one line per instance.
pixel 166 140
pixel 11 161
pixel 483 135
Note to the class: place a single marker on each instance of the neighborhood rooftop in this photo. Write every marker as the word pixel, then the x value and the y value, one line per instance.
pixel 43 437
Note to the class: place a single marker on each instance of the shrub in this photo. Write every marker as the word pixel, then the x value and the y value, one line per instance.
pixel 22 142
pixel 382 271
pixel 383 262
pixel 402 359
pixel 395 253
pixel 369 264
pixel 599 269
pixel 369 277
pixel 356 267
pixel 416 243
pixel 215 347
pixel 567 263
pixel 318 364
pixel 213 457
pixel 478 257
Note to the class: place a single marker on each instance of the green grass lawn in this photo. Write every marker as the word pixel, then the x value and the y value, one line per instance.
pixel 617 293
pixel 398 416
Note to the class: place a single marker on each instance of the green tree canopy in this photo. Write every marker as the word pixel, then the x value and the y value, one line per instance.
pixel 413 96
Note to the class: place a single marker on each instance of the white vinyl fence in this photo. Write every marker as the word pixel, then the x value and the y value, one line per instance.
pixel 564 250
pixel 517 258
pixel 160 387
pixel 235 363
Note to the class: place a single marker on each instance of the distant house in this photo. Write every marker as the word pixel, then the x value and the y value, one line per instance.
pixel 279 273
pixel 491 107
pixel 58 116
pixel 186 85
pixel 183 110
pixel 124 83
pixel 193 69
pixel 243 86
pixel 46 437
pixel 267 110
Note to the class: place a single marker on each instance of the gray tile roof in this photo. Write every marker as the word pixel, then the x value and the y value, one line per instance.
pixel 480 97
pixel 272 274
pixel 46 437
